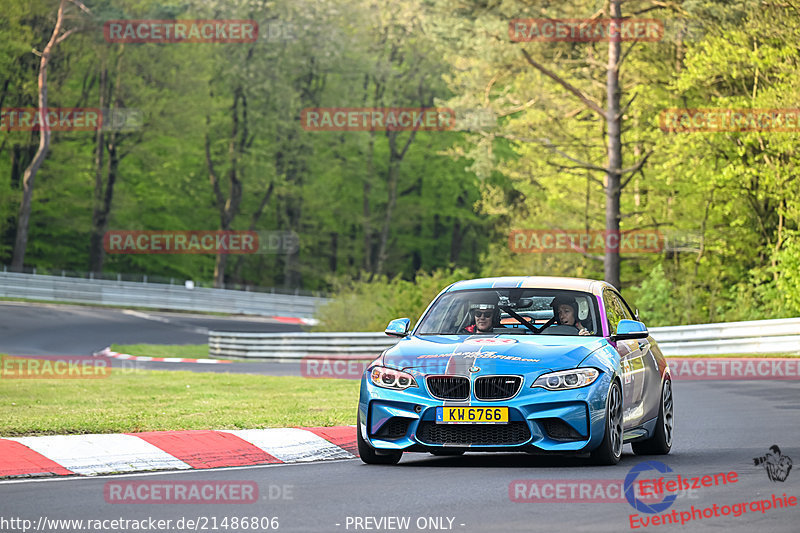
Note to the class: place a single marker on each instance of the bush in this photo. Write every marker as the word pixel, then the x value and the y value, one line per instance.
pixel 369 305
pixel 655 300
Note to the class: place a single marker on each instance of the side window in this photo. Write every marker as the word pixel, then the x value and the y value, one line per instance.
pixel 615 311
pixel 628 309
pixel 623 305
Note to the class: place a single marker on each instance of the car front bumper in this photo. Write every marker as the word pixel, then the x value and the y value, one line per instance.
pixel 540 420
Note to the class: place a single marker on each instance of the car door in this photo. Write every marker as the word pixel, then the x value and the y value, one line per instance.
pixel 649 376
pixel 631 360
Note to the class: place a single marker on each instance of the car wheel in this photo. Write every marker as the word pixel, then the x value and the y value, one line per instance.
pixel 446 453
pixel 610 450
pixel 661 441
pixel 369 455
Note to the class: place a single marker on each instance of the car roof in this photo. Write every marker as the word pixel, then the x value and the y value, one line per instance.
pixel 530 282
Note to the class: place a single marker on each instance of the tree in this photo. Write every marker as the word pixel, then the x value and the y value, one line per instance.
pixel 29 176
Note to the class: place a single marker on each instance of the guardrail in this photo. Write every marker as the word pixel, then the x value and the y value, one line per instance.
pixel 270 346
pixel 760 336
pixel 755 336
pixel 155 295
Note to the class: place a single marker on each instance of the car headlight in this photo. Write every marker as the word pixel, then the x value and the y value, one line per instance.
pixel 567 379
pixel 389 378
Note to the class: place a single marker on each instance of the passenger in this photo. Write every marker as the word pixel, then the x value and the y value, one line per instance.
pixel 565 311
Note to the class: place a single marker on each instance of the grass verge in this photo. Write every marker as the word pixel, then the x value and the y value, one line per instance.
pixel 200 351
pixel 141 400
pixel 187 351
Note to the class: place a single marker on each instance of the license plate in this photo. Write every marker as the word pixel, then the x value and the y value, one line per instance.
pixel 472 415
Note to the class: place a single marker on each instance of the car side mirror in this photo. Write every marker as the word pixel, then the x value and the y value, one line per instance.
pixel 398 327
pixel 630 329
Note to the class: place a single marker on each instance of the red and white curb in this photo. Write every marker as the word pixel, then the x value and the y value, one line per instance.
pixel 295 320
pixel 89 455
pixel 106 352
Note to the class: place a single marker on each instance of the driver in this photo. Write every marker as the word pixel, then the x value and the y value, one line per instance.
pixel 484 314
pixel 565 311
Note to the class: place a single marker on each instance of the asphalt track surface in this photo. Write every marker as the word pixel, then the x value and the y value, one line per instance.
pixel 720 427
pixel 47 329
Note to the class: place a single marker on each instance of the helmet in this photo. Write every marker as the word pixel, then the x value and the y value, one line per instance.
pixel 564 300
pixel 484 301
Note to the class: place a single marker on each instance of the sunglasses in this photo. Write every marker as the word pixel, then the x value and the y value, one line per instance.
pixel 484 314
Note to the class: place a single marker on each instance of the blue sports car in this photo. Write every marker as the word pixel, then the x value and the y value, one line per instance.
pixel 528 364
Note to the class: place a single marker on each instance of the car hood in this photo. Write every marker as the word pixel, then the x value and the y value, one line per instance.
pixel 500 354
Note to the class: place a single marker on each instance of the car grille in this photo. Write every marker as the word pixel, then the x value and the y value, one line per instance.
pixel 449 387
pixel 477 434
pixel 394 428
pixel 497 387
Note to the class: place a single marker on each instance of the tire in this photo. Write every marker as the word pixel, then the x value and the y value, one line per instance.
pixel 369 455
pixel 610 450
pixel 661 441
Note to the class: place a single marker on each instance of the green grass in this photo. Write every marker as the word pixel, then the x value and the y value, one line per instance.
pixel 200 351
pixel 188 351
pixel 140 400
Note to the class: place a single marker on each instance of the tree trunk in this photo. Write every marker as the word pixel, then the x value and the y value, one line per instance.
pixel 395 158
pixel 457 238
pixel 23 220
pixel 333 261
pixel 230 207
pixel 96 237
pixel 237 272
pixel 367 188
pixel 391 201
pixel 613 175
pixel 291 267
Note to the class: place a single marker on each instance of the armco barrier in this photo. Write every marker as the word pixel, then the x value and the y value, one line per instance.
pixel 760 336
pixel 271 346
pixel 155 295
pixel 755 336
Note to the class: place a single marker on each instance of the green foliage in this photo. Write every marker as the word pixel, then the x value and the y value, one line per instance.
pixel 788 282
pixel 368 305
pixel 729 202
pixel 655 300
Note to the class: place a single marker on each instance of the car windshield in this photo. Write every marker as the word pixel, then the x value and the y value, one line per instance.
pixel 512 312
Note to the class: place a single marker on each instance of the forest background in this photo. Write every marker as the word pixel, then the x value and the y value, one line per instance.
pixel 385 219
